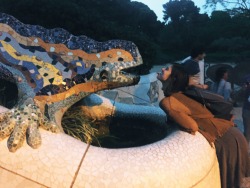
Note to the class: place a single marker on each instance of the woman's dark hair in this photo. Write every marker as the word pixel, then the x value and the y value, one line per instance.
pixel 219 73
pixel 177 81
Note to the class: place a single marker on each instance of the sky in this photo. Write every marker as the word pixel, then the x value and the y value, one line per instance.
pixel 156 6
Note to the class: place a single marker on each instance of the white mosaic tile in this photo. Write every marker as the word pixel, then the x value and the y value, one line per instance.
pixel 54 164
pixel 52 49
pixel 180 160
pixel 12 180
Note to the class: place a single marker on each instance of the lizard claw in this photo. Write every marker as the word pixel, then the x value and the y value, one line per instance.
pixel 6 124
pixel 21 123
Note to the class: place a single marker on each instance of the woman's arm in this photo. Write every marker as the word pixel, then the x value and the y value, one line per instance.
pixel 179 116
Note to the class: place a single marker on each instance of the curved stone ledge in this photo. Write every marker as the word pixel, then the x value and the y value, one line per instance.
pixel 179 160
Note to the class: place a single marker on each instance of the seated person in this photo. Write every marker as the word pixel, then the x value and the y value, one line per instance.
pixel 191 66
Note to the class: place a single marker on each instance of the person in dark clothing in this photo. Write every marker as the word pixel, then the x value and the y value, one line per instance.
pixel 191 66
pixel 230 144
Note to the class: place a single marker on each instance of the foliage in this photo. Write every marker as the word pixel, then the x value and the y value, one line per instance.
pixel 184 25
pixel 232 6
pixel 180 11
pixel 233 45
pixel 219 32
pixel 75 125
pixel 114 134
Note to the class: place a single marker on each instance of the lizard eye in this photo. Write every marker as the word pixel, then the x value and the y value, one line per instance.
pixel 104 75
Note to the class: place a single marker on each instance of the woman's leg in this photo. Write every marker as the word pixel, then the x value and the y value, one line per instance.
pixel 246 123
pixel 232 154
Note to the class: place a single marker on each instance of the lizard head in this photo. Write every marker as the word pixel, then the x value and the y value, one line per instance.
pixel 115 74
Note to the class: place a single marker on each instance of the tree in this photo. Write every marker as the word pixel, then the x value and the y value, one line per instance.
pixel 233 6
pixel 244 4
pixel 184 26
pixel 179 10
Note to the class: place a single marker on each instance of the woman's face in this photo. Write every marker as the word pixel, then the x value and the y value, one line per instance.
pixel 164 74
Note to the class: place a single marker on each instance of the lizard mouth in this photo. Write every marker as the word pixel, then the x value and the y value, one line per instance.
pixel 129 72
pixel 125 75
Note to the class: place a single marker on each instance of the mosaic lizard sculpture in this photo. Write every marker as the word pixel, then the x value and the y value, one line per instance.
pixel 53 70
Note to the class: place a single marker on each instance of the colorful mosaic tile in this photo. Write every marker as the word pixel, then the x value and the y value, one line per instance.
pixel 54 69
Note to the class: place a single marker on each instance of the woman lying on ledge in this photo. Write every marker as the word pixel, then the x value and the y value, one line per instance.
pixel 231 146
